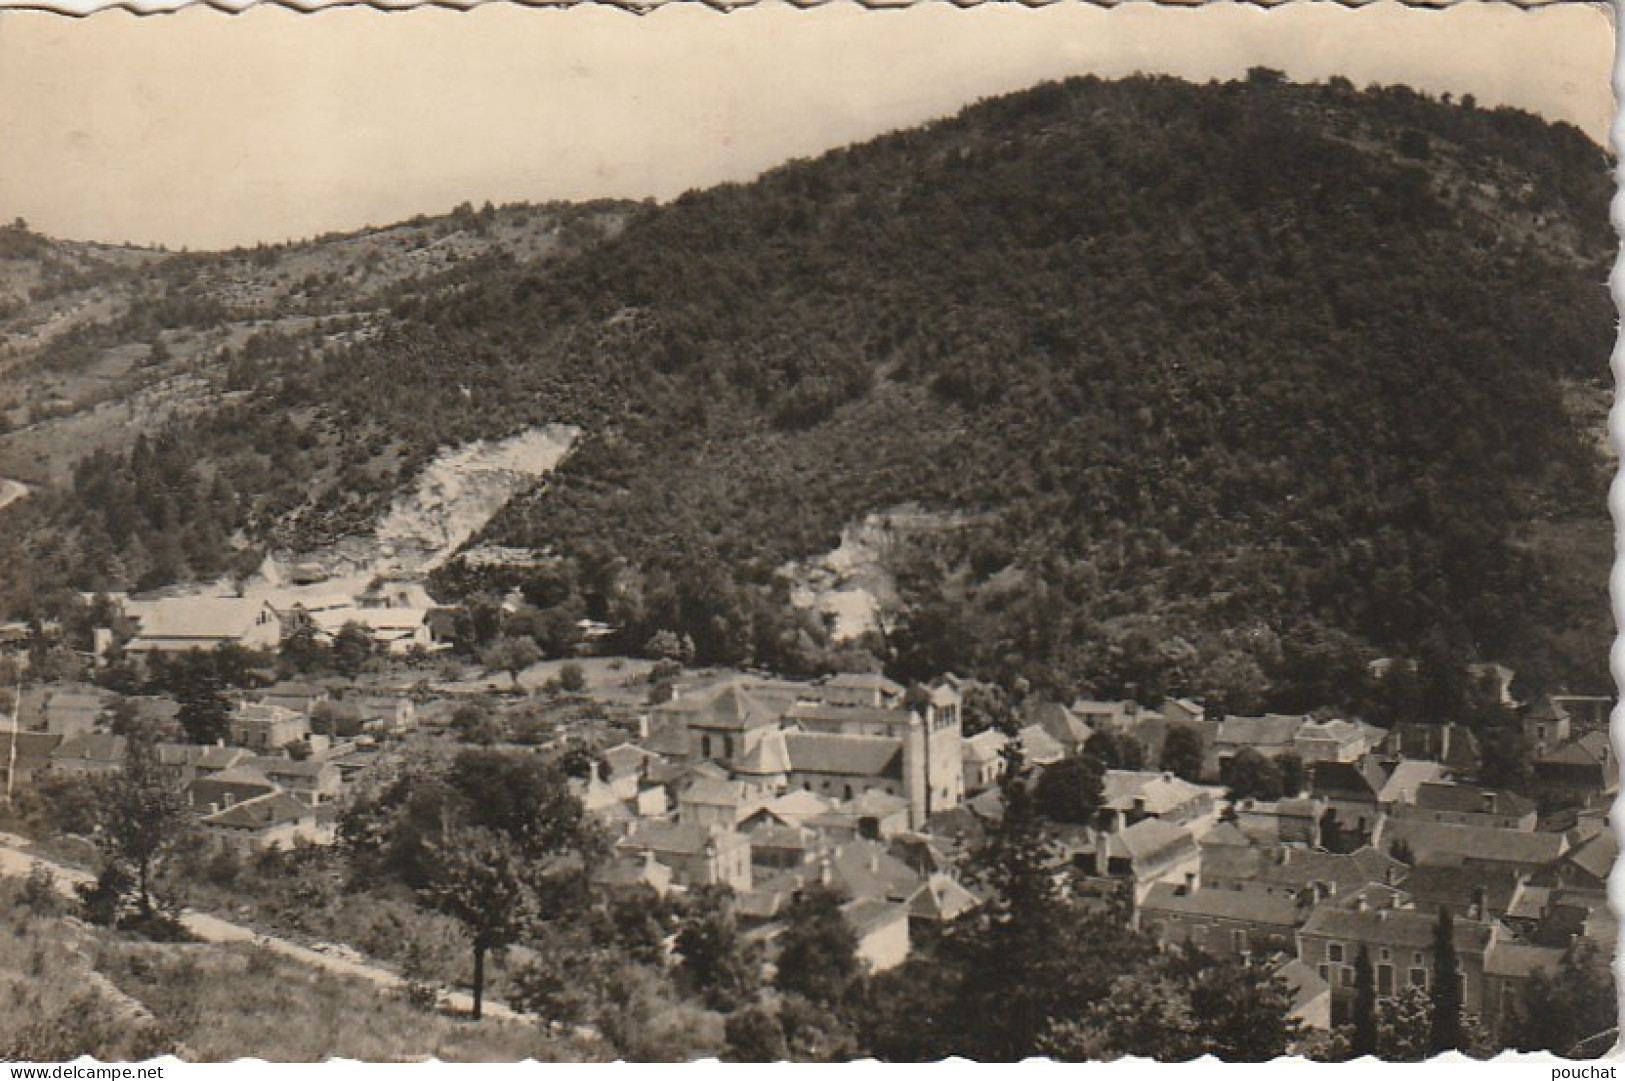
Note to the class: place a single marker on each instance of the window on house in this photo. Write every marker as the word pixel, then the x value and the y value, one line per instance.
pixel 1325 972
pixel 1419 977
pixel 1383 953
pixel 1334 952
pixel 1416 958
pixel 846 791
pixel 1238 940
pixel 1385 979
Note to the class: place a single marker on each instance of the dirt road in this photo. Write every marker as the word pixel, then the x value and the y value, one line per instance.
pixel 16 861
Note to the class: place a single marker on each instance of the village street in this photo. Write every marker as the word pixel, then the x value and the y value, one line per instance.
pixel 16 861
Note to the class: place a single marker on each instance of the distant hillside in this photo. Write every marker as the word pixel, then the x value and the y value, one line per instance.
pixel 1241 384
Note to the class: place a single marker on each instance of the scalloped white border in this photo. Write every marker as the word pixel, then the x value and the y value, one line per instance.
pixel 256 1069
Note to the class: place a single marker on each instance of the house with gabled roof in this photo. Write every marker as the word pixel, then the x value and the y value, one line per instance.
pixel 316 781
pixel 1336 741
pixel 91 753
pixel 274 820
pixel 696 855
pixel 227 788
pixel 24 755
pixel 1065 726
pixel 1404 778
pixel 1105 716
pixel 941 899
pixel 867 689
pixel 1469 893
pixel 1038 747
pixel 263 727
pixel 1149 851
pixel 1584 770
pixel 632 874
pixel 1399 943
pixel 1469 805
pixel 1290 820
pixel 722 804
pixel 1131 795
pixel 1547 724
pixel 881 928
pixel 1351 791
pixel 1227 923
pixel 982 757
pixel 181 624
pixel 67 710
pixel 1441 844
pixel 1271 735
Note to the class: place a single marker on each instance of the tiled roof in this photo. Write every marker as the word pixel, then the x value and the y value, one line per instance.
pixel 1270 730
pixel 1150 839
pixel 1407 776
pixel 273 766
pixel 92 746
pixel 33 748
pixel 1447 843
pixel 1457 887
pixel 669 837
pixel 984 746
pixel 1038 747
pixel 799 804
pixel 714 793
pixel 1247 906
pixel 1360 780
pixel 941 898
pixel 866 869
pixel 769 757
pixel 195 617
pixel 261 812
pixel 734 708
pixel 1405 928
pixel 866 915
pixel 852 756
pixel 1447 796
pixel 1162 792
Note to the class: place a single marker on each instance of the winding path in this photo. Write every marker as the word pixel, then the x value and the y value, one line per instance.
pixel 16 861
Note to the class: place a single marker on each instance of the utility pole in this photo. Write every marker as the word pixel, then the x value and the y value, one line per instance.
pixel 11 754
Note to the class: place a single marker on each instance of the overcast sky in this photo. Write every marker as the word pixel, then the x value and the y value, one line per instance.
pixel 206 130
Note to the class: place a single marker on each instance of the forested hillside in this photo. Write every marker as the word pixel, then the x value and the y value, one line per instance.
pixel 1237 385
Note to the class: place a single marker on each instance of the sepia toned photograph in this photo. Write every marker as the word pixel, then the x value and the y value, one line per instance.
pixel 807 534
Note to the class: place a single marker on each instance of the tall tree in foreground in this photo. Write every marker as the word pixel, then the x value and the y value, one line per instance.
pixel 1445 1029
pixel 818 951
pixel 141 813
pixel 481 883
pixel 1364 1039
